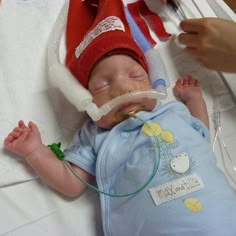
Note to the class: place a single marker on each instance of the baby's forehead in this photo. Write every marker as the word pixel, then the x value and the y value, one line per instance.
pixel 115 63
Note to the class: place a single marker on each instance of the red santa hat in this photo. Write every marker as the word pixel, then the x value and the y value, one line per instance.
pixel 97 28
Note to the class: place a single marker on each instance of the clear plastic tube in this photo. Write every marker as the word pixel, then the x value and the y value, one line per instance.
pixel 61 77
pixel 156 67
pixel 128 97
pixel 157 76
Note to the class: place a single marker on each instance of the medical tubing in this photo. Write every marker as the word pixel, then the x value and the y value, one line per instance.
pixel 225 166
pixel 56 35
pixel 157 77
pixel 137 33
pixel 128 97
pixel 74 91
pixel 156 67
pixel 218 136
pixel 127 194
pixel 61 77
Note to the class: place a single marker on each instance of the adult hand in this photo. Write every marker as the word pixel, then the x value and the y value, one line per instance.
pixel 212 41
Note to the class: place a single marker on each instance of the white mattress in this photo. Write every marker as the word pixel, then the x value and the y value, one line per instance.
pixel 28 207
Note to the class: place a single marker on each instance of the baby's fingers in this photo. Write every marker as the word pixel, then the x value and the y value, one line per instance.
pixel 21 124
pixel 12 137
pixel 8 139
pixel 33 127
pixel 179 82
pixel 17 133
pixel 18 130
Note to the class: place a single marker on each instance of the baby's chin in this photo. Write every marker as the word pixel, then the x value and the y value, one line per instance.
pixel 122 113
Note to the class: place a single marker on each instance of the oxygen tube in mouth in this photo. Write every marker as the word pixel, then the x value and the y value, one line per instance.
pixel 79 96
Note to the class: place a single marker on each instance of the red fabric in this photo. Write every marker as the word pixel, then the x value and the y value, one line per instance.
pixel 82 18
pixel 91 2
pixel 154 19
pixel 139 10
pixel 135 12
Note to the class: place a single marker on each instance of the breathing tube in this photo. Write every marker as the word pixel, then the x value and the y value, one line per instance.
pixel 79 96
pixel 156 67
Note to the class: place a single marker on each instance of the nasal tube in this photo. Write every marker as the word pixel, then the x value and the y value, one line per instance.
pixel 79 96
pixel 156 67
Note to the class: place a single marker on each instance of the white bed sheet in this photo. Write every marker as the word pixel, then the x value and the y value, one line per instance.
pixel 28 207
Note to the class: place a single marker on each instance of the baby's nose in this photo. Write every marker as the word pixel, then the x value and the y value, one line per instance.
pixel 120 88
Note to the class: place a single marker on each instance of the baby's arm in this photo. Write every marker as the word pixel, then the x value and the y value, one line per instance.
pixel 189 92
pixel 26 141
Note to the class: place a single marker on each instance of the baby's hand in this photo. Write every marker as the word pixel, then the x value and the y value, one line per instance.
pixel 23 140
pixel 187 88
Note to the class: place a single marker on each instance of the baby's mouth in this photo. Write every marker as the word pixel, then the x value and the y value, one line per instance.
pixel 132 108
pixel 129 108
pixel 127 111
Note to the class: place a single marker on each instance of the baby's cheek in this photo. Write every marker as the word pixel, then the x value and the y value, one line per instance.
pixel 106 122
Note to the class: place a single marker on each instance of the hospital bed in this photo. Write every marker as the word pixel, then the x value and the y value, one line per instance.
pixel 28 206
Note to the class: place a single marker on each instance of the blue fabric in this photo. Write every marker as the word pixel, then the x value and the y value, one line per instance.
pixel 123 159
pixel 156 66
pixel 137 33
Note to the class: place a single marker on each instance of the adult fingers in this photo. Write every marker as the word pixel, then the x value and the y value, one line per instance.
pixel 189 39
pixel 192 25
pixel 194 52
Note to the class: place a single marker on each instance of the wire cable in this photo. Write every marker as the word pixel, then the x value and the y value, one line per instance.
pixel 60 155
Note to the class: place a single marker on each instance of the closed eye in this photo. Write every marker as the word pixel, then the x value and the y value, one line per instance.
pixel 98 84
pixel 139 76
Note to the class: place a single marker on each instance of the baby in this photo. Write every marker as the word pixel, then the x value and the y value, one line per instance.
pixel 153 164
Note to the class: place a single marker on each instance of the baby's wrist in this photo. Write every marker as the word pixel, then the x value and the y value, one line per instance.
pixel 195 100
pixel 36 150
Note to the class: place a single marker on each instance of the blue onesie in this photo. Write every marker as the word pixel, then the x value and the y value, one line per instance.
pixel 188 196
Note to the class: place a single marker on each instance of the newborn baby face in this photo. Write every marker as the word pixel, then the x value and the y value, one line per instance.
pixel 114 76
